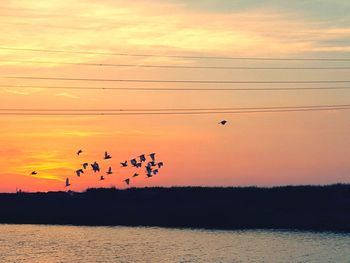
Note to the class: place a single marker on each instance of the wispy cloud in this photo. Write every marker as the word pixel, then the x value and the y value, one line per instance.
pixel 162 26
pixel 48 177
pixel 67 95
pixel 50 165
pixel 18 92
pixel 22 92
pixel 60 133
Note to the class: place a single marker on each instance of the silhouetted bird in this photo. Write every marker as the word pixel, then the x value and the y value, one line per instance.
pixel 155 171
pixel 102 178
pixel 95 167
pixel 34 173
pixel 138 165
pixel 79 152
pixel 109 170
pixel 127 181
pixel 142 158
pixel 78 172
pixel 223 122
pixel 107 156
pixel 67 182
pixel 85 165
pixel 124 164
pixel 151 164
pixel 135 175
pixel 149 169
pixel 133 162
pixel 152 155
pixel 160 165
pixel 149 175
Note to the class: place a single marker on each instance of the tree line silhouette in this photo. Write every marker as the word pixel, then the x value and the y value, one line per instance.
pixel 319 208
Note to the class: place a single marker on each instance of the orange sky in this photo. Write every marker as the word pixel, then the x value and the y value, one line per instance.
pixel 253 149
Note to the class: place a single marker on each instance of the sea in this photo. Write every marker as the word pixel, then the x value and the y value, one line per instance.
pixel 52 243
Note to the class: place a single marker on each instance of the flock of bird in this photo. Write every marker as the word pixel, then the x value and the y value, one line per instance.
pixel 152 167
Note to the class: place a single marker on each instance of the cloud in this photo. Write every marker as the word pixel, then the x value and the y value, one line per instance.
pixel 48 177
pixel 60 133
pixel 50 165
pixel 18 92
pixel 67 95
pixel 22 92
pixel 70 133
pixel 163 27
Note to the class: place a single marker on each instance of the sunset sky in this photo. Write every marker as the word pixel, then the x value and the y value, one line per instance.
pixel 262 149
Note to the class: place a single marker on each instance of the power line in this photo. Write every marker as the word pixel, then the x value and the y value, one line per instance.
pixel 179 81
pixel 174 56
pixel 173 66
pixel 172 89
pixel 170 113
pixel 178 109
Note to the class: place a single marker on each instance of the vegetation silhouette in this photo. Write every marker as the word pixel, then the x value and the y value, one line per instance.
pixel 317 208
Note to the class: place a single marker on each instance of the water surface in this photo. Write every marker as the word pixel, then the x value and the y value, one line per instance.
pixel 43 244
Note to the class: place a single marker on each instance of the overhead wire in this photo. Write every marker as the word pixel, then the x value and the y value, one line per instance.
pixel 175 56
pixel 170 89
pixel 178 81
pixel 179 109
pixel 166 113
pixel 120 112
pixel 172 66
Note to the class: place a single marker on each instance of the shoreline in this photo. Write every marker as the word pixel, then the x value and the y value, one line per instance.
pixel 291 230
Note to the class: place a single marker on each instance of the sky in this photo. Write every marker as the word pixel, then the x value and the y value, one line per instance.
pixel 263 149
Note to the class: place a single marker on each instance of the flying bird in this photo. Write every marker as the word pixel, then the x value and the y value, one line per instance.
pixel 34 173
pixel 107 156
pixel 155 171
pixel 67 182
pixel 152 155
pixel 127 181
pixel 124 164
pixel 151 164
pixel 85 165
pixel 109 170
pixel 149 170
pixel 223 122
pixel 79 152
pixel 95 167
pixel 149 175
pixel 160 165
pixel 102 178
pixel 135 175
pixel 133 162
pixel 142 158
pixel 78 172
pixel 138 165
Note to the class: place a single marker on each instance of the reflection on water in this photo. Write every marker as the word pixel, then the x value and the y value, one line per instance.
pixel 42 244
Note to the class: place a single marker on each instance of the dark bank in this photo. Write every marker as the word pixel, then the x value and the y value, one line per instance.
pixel 317 208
